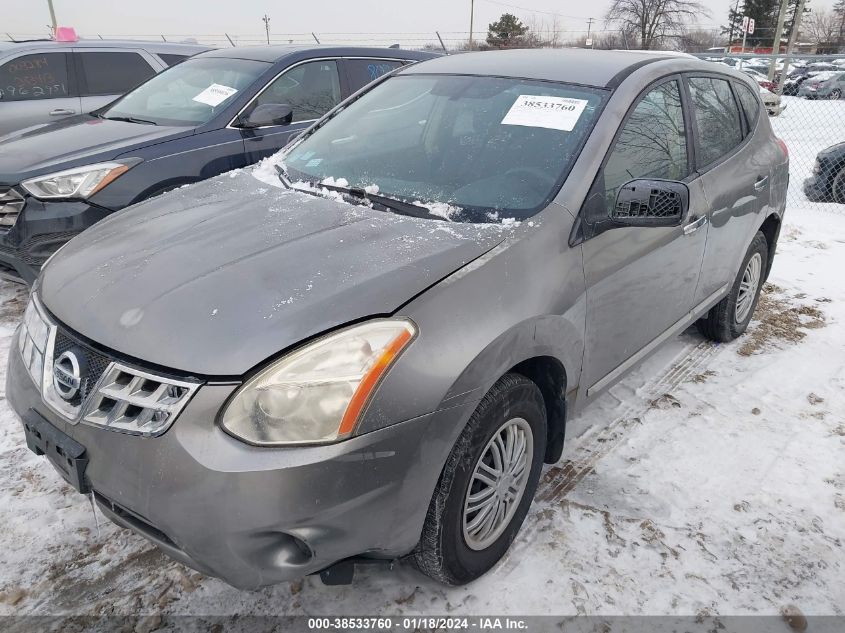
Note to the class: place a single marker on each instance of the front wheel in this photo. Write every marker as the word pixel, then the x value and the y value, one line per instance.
pixel 730 317
pixel 835 94
pixel 838 187
pixel 486 486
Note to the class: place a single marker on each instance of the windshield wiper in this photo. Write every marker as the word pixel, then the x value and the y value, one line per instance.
pixel 399 206
pixel 128 119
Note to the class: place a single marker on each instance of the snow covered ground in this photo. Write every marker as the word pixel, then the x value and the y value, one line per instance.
pixel 711 481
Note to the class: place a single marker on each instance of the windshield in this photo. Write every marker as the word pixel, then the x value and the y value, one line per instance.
pixel 473 149
pixel 189 93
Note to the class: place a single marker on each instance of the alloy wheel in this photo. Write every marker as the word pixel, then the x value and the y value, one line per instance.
pixel 748 287
pixel 498 483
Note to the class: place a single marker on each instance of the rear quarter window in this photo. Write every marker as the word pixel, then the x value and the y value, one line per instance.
pixel 363 71
pixel 34 77
pixel 750 104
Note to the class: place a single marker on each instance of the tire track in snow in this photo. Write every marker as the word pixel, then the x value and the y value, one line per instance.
pixel 559 480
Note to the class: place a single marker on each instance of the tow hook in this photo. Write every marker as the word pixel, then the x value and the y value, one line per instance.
pixel 342 572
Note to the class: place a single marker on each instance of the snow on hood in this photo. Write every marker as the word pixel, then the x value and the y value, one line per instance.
pixel 214 278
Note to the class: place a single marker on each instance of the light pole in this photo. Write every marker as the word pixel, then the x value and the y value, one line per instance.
pixel 471 15
pixel 266 21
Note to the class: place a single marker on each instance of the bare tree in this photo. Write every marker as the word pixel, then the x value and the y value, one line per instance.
pixel 653 20
pixel 699 40
pixel 822 28
pixel 543 33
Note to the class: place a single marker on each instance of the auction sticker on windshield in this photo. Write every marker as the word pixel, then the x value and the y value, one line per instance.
pixel 215 94
pixel 556 113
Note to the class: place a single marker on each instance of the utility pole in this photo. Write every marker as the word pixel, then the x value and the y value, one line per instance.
pixel 53 22
pixel 793 35
pixel 471 16
pixel 784 5
pixel 589 41
pixel 266 20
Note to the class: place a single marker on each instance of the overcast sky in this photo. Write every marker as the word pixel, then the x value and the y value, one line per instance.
pixel 400 18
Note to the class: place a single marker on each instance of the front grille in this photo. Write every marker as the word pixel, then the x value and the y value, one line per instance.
pixel 134 401
pixel 11 204
pixel 94 362
pixel 112 394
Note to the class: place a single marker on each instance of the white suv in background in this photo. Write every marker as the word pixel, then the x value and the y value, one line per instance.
pixel 43 81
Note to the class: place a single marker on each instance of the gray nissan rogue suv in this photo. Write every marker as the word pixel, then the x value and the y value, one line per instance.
pixel 369 345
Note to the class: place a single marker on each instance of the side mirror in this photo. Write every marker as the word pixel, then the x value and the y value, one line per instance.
pixel 268 114
pixel 651 203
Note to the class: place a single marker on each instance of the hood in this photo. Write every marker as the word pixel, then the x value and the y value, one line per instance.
pixel 214 278
pixel 76 141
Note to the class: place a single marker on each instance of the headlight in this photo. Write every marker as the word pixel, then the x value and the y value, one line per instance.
pixel 79 182
pixel 32 340
pixel 317 394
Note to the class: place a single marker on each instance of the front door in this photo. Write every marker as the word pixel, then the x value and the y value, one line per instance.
pixel 311 89
pixel 641 281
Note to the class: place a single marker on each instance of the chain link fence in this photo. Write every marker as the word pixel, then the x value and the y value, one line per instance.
pixel 807 111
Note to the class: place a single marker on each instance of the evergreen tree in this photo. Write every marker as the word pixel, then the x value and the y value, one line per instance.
pixel 765 14
pixel 506 32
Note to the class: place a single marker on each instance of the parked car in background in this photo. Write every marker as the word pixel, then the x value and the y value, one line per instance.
pixel 829 84
pixel 218 111
pixel 373 351
pixel 772 101
pixel 827 184
pixel 43 81
pixel 761 79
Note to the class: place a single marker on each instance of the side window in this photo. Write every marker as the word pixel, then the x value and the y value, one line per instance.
pixel 32 77
pixel 750 104
pixel 311 89
pixel 363 71
pixel 716 117
pixel 172 60
pixel 114 73
pixel 652 144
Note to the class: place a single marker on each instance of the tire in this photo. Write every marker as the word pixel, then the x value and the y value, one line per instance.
pixel 447 552
pixel 835 94
pixel 837 189
pixel 721 322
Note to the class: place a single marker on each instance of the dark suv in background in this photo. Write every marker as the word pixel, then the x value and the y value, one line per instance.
pixel 218 111
pixel 43 81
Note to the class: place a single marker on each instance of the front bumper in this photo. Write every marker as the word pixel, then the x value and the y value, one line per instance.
pixel 258 516
pixel 41 228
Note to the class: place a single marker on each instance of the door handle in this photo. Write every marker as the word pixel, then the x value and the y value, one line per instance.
pixel 692 227
pixel 761 184
pixel 61 112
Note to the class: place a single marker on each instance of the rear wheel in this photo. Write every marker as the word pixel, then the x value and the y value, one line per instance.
pixel 730 317
pixel 835 94
pixel 487 484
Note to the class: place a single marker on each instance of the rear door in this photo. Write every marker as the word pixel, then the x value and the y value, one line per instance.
pixel 641 281
pixel 736 172
pixel 311 88
pixel 105 74
pixel 37 87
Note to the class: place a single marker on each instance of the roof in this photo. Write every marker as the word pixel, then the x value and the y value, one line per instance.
pixel 572 65
pixel 152 46
pixel 275 53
